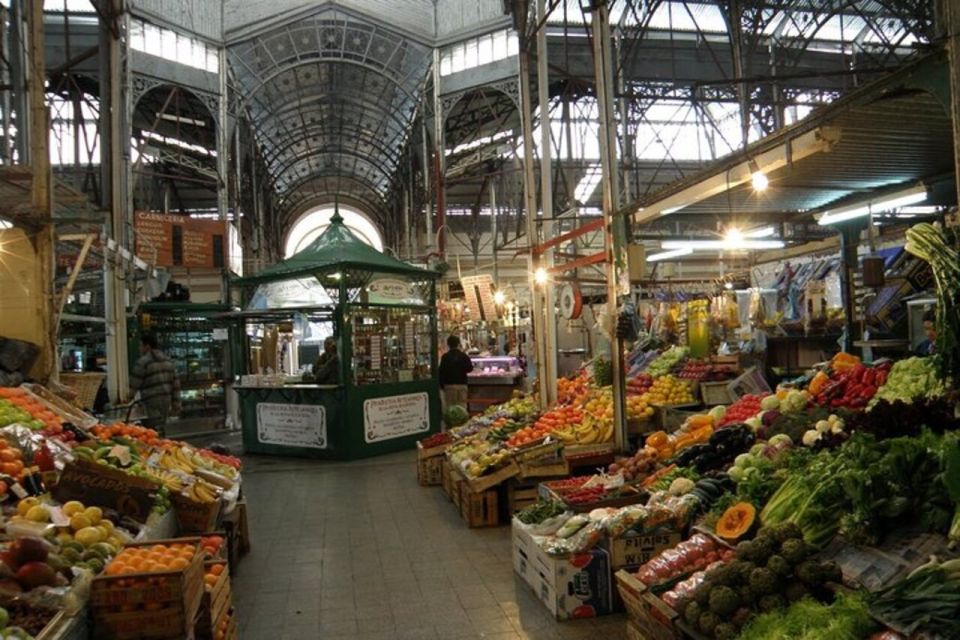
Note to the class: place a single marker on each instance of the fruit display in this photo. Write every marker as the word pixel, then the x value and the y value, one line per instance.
pixel 697 429
pixel 667 362
pixel 639 384
pixel 213 546
pixel 157 558
pixel 22 620
pixel 436 440
pixel 223 627
pixel 130 431
pixel 635 467
pixel 503 428
pixel 736 521
pixel 764 575
pixel 476 457
pixel 19 407
pixel 717 452
pixel 692 555
pixel 638 409
pixel 747 407
pixel 211 575
pixel 11 462
pixel 704 371
pixel 667 389
pixel 573 390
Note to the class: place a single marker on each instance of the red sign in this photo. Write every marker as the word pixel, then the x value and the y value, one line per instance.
pixel 166 240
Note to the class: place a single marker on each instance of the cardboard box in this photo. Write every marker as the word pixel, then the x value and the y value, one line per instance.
pixel 575 586
pixel 635 550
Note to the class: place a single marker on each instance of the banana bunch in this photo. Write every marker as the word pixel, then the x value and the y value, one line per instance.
pixel 175 460
pixel 202 491
pixel 590 431
pixel 166 478
pixel 203 462
pixel 566 434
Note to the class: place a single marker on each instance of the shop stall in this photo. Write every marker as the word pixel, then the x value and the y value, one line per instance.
pixel 492 381
pixel 380 313
pixel 196 337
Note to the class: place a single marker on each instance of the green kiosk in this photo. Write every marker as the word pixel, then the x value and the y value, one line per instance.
pixel 381 313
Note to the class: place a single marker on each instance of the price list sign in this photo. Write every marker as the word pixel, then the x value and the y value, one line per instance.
pixel 179 241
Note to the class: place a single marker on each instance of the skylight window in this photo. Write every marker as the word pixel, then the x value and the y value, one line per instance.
pixel 170 45
pixel 478 51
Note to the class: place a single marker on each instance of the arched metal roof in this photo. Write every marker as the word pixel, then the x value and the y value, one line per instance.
pixel 331 97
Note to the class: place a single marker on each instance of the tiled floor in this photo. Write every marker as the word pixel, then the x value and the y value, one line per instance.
pixel 359 550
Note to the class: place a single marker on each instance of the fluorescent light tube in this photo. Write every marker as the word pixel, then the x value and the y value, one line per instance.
pixel 667 255
pixel 762 232
pixel 722 245
pixel 903 198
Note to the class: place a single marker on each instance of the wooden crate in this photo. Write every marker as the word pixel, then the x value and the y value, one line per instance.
pixel 214 605
pixel 430 471
pixel 238 534
pixel 193 516
pixel 456 485
pixel 652 617
pixel 714 393
pixel 445 481
pixel 154 606
pixel 520 495
pixel 510 470
pixel 479 508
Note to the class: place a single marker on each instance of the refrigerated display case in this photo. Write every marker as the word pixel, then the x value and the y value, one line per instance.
pixel 492 381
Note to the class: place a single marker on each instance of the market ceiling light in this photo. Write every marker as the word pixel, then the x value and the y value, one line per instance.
pixel 762 232
pixel 540 275
pixel 907 197
pixel 723 245
pixel 335 276
pixel 499 297
pixel 667 255
pixel 667 212
pixel 5 224
pixel 758 179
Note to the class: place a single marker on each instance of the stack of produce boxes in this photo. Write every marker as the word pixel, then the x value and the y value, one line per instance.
pixel 215 620
pixel 150 590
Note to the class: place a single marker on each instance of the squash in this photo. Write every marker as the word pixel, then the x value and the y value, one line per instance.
pixel 736 521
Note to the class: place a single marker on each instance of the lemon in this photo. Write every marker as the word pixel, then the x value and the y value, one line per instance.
pixel 38 513
pixel 88 536
pixel 26 504
pixel 72 508
pixel 106 524
pixel 95 514
pixel 79 521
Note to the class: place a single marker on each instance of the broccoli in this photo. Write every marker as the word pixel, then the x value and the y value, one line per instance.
pixel 702 594
pixel 725 631
pixel 779 566
pixel 741 617
pixel 794 551
pixel 708 622
pixel 810 573
pixel 692 613
pixel 787 531
pixel 795 591
pixel 763 582
pixel 724 601
pixel 772 602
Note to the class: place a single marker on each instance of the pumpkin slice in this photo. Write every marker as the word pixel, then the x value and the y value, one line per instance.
pixel 736 521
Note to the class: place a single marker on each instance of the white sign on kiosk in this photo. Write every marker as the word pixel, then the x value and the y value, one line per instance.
pixel 292 425
pixel 395 416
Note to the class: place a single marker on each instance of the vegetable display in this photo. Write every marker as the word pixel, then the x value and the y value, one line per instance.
pixel 846 618
pixel 696 553
pixel 740 411
pixel 910 380
pixel 936 246
pixel 667 361
pixel 928 599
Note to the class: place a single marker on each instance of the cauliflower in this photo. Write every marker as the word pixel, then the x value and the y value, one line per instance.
pixel 681 486
pixel 811 437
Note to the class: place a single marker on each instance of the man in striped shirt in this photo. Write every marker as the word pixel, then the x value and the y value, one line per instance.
pixel 155 377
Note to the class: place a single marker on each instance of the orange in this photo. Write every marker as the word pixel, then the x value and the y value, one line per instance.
pixel 210 579
pixel 216 569
pixel 178 563
pixel 116 568
pixel 158 548
pixel 9 455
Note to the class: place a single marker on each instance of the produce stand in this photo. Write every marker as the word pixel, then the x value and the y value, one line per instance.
pixel 382 313
pixel 98 494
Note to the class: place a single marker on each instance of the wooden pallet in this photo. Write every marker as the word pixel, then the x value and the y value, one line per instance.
pixel 479 509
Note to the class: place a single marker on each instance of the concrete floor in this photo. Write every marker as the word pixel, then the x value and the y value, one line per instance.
pixel 358 550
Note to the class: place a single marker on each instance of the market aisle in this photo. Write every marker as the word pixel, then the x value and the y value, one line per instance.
pixel 359 550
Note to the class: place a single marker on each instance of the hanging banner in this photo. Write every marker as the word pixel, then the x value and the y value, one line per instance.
pixel 392 291
pixel 478 291
pixel 395 416
pixel 166 240
pixel 292 425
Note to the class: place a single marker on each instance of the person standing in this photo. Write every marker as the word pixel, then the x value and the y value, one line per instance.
pixel 452 374
pixel 326 370
pixel 929 346
pixel 154 376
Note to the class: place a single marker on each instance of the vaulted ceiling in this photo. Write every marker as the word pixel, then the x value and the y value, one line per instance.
pixel 331 96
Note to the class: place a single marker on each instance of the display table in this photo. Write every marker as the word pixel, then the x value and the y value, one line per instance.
pixel 336 422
